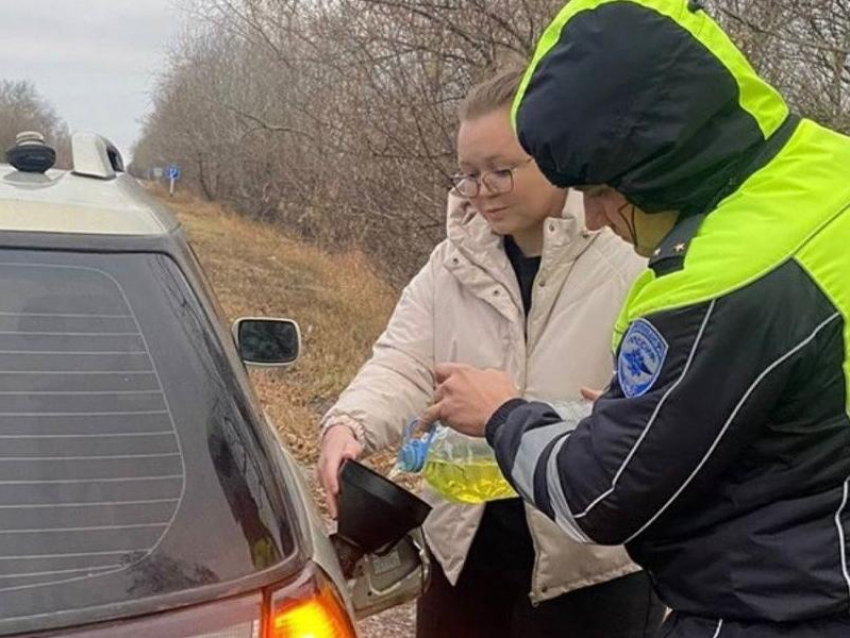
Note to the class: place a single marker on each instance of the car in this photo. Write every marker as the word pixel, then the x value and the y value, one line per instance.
pixel 143 492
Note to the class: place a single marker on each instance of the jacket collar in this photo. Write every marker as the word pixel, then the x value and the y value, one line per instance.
pixel 476 256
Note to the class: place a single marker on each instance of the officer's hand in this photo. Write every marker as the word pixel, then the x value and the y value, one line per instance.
pixel 466 397
pixel 338 444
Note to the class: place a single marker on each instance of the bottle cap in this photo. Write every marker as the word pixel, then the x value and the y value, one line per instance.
pixel 414 451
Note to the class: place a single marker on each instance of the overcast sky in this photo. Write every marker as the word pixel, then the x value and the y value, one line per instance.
pixel 94 60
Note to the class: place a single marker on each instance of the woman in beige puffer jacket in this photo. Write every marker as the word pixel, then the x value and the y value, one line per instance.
pixel 519 285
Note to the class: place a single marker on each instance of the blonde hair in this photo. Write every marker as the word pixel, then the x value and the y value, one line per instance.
pixel 494 93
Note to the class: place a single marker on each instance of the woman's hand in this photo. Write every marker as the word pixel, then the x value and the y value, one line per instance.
pixel 590 394
pixel 338 445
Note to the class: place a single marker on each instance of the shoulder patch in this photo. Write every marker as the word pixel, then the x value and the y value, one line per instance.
pixel 642 354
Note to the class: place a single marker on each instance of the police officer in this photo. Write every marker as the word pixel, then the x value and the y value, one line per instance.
pixel 720 453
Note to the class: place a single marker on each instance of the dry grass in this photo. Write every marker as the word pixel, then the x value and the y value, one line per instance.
pixel 340 304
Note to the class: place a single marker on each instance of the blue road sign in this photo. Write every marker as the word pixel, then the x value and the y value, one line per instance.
pixel 174 172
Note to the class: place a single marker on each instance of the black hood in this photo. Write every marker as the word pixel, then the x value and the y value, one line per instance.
pixel 647 96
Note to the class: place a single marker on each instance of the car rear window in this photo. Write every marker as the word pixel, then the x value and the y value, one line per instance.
pixel 129 467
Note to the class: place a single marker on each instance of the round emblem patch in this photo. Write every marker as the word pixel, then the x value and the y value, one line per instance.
pixel 642 355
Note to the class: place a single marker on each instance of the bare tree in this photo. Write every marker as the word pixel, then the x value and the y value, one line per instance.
pixel 336 118
pixel 802 46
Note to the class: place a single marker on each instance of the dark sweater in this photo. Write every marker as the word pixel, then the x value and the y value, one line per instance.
pixel 504 530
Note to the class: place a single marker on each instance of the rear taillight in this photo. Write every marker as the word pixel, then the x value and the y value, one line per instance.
pixel 307 607
pixel 311 609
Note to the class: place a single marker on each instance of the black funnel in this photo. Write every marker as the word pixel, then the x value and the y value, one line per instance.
pixel 373 511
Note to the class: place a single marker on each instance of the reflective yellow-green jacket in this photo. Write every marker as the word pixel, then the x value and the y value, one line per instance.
pixel 720 455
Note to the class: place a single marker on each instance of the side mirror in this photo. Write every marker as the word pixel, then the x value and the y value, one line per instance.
pixel 267 342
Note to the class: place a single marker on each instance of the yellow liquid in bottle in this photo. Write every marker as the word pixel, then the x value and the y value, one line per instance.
pixel 470 483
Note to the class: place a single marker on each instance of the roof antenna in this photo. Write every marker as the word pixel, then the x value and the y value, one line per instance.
pixel 31 154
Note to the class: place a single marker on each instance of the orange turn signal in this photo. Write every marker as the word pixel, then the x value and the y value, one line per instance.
pixel 321 615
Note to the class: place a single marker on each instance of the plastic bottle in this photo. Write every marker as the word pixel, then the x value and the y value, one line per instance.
pixel 461 468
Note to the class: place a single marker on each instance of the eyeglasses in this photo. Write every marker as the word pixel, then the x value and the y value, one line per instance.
pixel 498 182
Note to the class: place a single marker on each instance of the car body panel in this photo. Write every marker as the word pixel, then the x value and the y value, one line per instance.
pixel 62 202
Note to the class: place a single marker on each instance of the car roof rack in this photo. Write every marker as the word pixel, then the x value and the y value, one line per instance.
pixel 95 156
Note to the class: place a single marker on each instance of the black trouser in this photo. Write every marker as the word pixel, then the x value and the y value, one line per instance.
pixel 681 626
pixel 491 600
